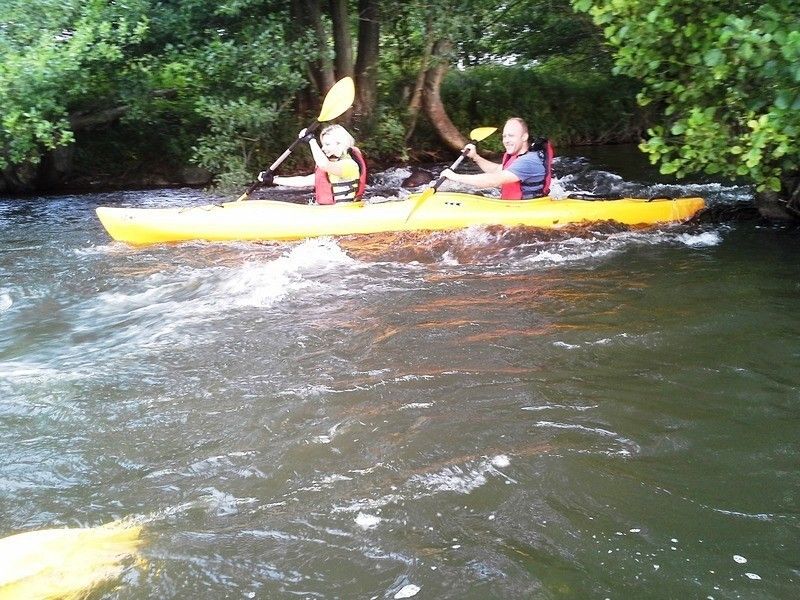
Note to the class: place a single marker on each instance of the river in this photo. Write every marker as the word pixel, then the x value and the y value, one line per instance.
pixel 586 413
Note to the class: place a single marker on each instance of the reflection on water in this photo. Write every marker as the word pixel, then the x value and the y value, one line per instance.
pixel 592 412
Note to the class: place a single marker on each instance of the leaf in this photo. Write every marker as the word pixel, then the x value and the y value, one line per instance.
pixel 713 57
pixel 668 168
pixel 782 101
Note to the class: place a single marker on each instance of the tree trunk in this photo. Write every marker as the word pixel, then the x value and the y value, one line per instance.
pixel 415 103
pixel 367 60
pixel 432 100
pixel 310 15
pixel 342 40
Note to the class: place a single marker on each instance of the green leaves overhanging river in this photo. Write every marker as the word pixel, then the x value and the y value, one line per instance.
pixel 588 413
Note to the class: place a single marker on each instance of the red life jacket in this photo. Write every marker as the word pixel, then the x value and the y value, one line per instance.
pixel 513 191
pixel 323 189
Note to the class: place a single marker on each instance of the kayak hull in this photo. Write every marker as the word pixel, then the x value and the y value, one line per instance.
pixel 269 220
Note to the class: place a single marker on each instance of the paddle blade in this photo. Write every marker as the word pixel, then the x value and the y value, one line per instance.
pixel 66 563
pixel 481 133
pixel 339 98
pixel 426 194
pixel 421 200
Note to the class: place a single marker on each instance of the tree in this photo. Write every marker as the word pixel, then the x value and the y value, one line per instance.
pixel 54 71
pixel 465 34
pixel 91 87
pixel 156 80
pixel 333 58
pixel 433 51
pixel 726 78
pixel 368 55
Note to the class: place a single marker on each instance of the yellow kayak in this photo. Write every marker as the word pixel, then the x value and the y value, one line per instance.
pixel 256 220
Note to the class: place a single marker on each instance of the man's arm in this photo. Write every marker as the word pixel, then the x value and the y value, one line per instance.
pixel 482 180
pixel 484 164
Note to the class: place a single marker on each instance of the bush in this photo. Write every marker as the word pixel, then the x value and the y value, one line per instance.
pixel 569 107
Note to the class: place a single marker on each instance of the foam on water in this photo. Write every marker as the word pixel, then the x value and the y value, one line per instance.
pixel 457 478
pixel 30 372
pixel 170 302
pixel 627 445
pixel 701 240
pixel 5 301
pixel 367 521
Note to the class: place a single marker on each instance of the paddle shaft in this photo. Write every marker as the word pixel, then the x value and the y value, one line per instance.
pixel 453 167
pixel 431 190
pixel 256 184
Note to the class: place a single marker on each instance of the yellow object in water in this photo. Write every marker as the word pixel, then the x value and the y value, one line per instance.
pixel 269 220
pixel 65 563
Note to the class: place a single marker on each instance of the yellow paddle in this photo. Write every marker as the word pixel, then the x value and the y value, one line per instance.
pixel 475 136
pixel 338 99
pixel 66 563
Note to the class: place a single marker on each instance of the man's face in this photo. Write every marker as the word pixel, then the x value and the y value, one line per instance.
pixel 514 137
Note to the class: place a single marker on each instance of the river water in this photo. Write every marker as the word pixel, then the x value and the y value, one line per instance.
pixel 587 413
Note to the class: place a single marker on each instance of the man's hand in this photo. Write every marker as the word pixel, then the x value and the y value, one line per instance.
pixel 266 177
pixel 305 136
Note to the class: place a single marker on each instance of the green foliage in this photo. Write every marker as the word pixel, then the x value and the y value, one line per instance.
pixel 570 109
pixel 45 77
pixel 246 99
pixel 725 75
pixel 224 83
pixel 386 139
pixel 208 75
pixel 529 32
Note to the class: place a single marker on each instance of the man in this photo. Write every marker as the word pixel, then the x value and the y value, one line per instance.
pixel 524 173
pixel 340 173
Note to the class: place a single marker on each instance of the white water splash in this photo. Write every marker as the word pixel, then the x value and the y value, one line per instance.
pixel 366 521
pixel 566 345
pixel 408 591
pixel 5 301
pixel 450 479
pixel 327 437
pixel 557 189
pixel 263 284
pixel 412 405
pixel 30 372
pixel 165 307
pixel 558 406
pixel 701 240
pixel 458 479
pixel 224 504
pixel 501 461
pixel 628 445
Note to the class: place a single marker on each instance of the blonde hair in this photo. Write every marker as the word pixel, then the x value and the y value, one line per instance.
pixel 344 137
